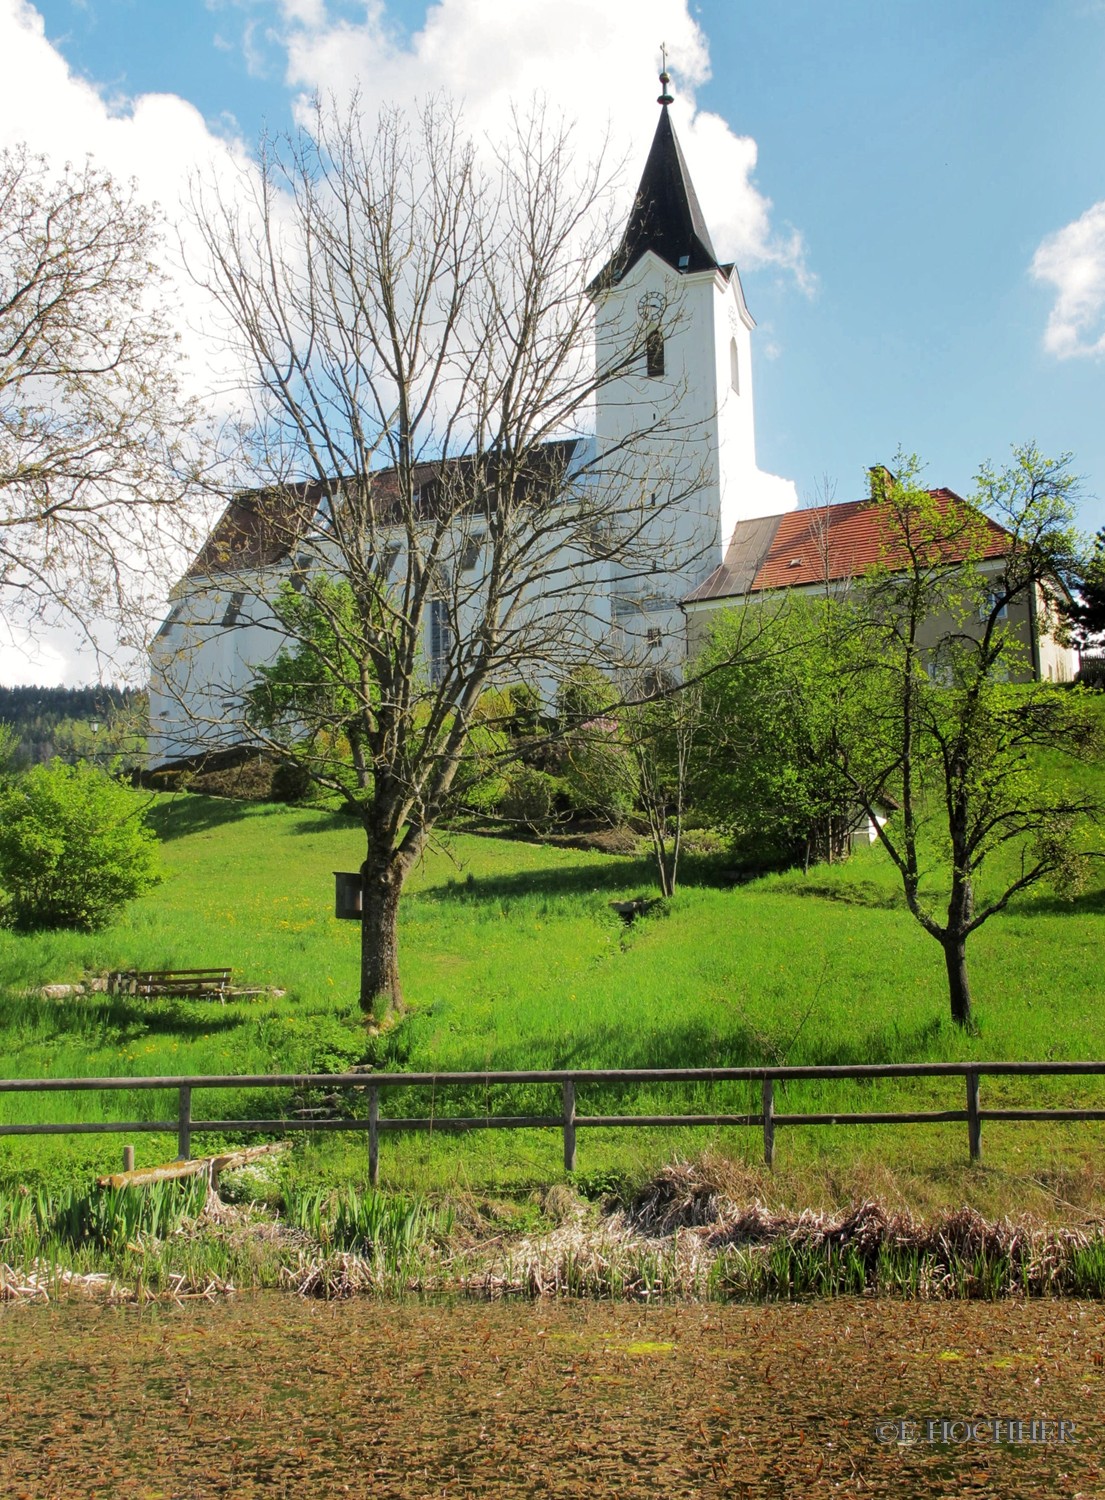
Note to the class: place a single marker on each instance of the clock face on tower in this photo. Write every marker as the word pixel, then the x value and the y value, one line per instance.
pixel 650 307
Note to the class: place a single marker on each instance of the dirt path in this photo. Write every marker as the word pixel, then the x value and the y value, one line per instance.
pixel 272 1396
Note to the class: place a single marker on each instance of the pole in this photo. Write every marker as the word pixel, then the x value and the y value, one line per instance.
pixel 373 1136
pixel 769 1122
pixel 184 1123
pixel 569 1125
pixel 974 1124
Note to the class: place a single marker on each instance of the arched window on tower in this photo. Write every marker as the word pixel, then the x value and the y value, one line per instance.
pixel 734 367
pixel 654 352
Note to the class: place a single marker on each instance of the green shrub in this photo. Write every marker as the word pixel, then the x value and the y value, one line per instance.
pixel 531 798
pixel 598 772
pixel 291 782
pixel 596 768
pixel 73 847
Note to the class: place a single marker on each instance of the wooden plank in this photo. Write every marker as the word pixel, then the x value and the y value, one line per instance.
pixel 144 1176
pixel 448 1124
pixel 556 1076
pixel 913 1117
pixel 1041 1114
pixel 688 1119
pixel 96 1127
pixel 196 1166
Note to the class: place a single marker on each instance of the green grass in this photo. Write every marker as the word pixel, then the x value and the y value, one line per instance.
pixel 512 958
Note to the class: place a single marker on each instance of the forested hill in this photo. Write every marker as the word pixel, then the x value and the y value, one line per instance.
pixel 94 722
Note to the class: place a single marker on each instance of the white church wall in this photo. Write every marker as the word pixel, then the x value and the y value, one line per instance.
pixel 675 449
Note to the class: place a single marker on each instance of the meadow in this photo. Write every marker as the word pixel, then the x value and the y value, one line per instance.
pixel 513 958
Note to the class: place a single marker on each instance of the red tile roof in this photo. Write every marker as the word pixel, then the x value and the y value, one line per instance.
pixel 832 542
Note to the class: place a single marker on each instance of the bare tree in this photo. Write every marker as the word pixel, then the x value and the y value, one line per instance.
pixel 661 733
pixel 428 515
pixel 92 420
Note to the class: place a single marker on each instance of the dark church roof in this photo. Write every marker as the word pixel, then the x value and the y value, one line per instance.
pixel 263 527
pixel 666 216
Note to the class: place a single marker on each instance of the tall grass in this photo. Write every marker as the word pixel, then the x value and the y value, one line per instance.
pixel 513 958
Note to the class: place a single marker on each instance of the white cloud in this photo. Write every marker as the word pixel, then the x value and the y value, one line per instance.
pixel 1072 260
pixel 28 660
pixel 596 62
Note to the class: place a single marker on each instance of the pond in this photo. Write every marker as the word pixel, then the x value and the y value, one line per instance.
pixel 271 1395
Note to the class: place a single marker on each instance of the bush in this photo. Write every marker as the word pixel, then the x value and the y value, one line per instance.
pixel 73 847
pixel 291 783
pixel 597 770
pixel 531 798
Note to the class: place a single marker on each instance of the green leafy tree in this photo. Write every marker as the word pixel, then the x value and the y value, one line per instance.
pixel 773 726
pixel 1085 612
pixel 595 766
pixel 73 847
pixel 315 699
pixel 943 728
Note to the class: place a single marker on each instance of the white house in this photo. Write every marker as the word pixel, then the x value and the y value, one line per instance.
pixel 695 370
pixel 831 546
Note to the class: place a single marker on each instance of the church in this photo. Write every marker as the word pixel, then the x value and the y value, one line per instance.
pixel 673 429
pixel 675 419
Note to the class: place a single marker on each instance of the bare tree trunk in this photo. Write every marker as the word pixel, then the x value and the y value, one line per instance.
pixel 382 886
pixel 960 910
pixel 955 957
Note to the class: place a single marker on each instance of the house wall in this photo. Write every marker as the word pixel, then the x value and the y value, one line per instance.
pixel 201 666
pixel 1044 659
pixel 204 659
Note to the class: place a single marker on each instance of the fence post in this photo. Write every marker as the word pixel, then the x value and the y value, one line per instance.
pixel 128 1158
pixel 373 1136
pixel 184 1123
pixel 569 1125
pixel 974 1124
pixel 769 1122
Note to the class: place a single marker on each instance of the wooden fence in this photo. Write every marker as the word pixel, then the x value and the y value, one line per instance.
pixel 567 1120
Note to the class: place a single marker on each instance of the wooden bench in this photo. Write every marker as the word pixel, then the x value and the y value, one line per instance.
pixel 176 982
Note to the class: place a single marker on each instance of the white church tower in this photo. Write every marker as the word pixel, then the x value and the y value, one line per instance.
pixel 674 417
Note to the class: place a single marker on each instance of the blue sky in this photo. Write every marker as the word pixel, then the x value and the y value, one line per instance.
pixel 913 161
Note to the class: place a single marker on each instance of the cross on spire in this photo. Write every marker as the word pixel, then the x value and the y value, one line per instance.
pixel 665 98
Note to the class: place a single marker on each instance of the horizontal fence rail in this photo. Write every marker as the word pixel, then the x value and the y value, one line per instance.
pixel 567 1119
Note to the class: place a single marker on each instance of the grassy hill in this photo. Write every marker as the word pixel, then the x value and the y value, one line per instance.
pixel 513 958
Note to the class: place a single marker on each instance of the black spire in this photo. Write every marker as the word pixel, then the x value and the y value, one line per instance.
pixel 666 217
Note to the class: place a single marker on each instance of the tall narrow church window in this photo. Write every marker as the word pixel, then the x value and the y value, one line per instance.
pixel 734 367
pixel 233 608
pixel 441 640
pixel 654 352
